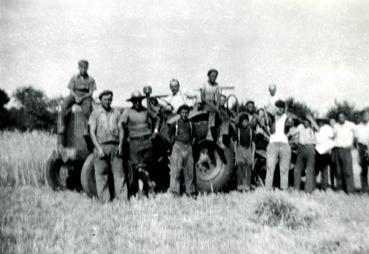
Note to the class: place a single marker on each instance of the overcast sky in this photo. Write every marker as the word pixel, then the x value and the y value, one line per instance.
pixel 315 51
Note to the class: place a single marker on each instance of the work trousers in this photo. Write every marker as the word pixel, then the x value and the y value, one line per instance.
pixel 364 163
pixel 182 159
pixel 69 101
pixel 244 160
pixel 344 170
pixel 322 161
pixel 278 152
pixel 115 165
pixel 305 161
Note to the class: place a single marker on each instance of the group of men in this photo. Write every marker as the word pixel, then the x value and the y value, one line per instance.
pixel 320 144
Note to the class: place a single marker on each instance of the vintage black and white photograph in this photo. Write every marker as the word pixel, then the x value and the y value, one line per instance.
pixel 184 126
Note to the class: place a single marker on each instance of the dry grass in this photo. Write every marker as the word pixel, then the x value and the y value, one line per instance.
pixel 37 220
pixel 23 157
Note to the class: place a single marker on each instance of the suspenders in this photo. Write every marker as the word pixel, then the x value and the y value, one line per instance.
pixel 191 129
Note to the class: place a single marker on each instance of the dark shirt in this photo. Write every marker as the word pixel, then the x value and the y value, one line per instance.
pixel 183 134
pixel 245 136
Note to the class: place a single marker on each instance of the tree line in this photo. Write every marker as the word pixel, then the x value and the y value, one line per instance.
pixel 36 111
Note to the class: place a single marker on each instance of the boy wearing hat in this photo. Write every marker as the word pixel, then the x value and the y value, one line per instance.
pixel 137 123
pixel 105 134
pixel 244 153
pixel 81 88
pixel 182 134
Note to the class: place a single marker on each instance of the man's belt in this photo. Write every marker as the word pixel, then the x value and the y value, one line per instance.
pixel 140 138
pixel 110 143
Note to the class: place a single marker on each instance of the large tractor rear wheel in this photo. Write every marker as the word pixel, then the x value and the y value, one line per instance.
pixel 213 174
pixel 56 172
pixel 88 176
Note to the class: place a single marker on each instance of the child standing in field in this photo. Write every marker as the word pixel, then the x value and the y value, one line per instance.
pixel 181 158
pixel 244 153
pixel 81 88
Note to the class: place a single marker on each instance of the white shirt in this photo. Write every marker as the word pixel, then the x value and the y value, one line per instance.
pixel 177 100
pixel 344 134
pixel 272 99
pixel 362 133
pixel 306 135
pixel 279 135
pixel 324 139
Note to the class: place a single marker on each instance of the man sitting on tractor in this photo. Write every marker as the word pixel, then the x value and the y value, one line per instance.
pixel 210 97
pixel 177 98
pixel 137 122
pixel 81 88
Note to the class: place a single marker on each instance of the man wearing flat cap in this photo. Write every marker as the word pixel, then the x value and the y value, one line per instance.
pixel 137 122
pixel 81 88
pixel 182 135
pixel 105 134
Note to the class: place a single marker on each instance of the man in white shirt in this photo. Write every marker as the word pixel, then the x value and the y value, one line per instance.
pixel 278 150
pixel 177 98
pixel 323 148
pixel 306 154
pixel 273 97
pixel 362 137
pixel 344 138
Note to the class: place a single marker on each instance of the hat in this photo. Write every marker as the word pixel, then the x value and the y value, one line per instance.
pixel 184 106
pixel 242 117
pixel 280 104
pixel 136 95
pixel 105 92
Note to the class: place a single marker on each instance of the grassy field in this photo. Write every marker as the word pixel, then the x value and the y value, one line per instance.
pixel 34 219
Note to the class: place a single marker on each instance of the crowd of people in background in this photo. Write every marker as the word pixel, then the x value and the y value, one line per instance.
pixel 323 146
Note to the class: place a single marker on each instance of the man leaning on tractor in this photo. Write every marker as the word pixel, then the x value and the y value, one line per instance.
pixel 106 134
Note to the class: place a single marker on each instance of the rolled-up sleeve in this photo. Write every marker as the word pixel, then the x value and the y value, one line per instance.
pixel 92 87
pixel 92 121
pixel 124 117
pixel 71 83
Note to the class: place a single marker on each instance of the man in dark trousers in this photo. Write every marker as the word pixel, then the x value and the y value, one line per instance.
pixel 182 134
pixel 344 138
pixel 105 135
pixel 362 137
pixel 137 123
pixel 81 88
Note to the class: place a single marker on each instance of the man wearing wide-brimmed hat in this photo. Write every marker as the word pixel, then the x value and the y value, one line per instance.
pixel 137 122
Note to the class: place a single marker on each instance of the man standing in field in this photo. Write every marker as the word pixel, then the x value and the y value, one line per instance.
pixel 137 123
pixel 278 150
pixel 306 154
pixel 344 138
pixel 362 136
pixel 182 134
pixel 81 88
pixel 105 135
pixel 324 145
pixel 210 97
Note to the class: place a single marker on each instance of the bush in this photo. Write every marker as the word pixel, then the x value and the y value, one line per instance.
pixel 274 211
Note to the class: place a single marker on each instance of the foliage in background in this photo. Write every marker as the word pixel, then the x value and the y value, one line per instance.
pixel 35 112
pixel 349 109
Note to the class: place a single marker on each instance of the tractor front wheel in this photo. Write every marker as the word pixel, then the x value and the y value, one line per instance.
pixel 57 172
pixel 88 176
